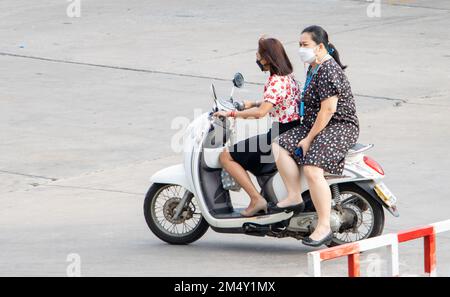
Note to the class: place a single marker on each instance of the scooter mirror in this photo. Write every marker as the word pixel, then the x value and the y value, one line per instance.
pixel 238 80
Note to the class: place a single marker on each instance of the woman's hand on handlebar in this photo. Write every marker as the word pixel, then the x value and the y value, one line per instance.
pixel 222 114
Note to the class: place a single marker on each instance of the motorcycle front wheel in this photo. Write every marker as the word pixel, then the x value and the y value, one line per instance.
pixel 160 204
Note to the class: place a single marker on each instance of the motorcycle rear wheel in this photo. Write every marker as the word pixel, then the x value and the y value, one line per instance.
pixel 361 201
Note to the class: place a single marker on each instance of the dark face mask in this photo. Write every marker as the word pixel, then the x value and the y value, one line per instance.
pixel 260 65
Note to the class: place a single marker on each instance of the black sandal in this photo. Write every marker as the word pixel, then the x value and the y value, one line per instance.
pixel 296 208
pixel 316 243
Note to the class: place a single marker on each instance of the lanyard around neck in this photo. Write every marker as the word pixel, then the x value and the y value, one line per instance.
pixel 309 77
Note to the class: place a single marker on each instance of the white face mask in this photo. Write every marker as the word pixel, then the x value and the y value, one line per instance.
pixel 307 55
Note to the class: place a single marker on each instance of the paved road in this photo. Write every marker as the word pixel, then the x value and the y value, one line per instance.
pixel 86 107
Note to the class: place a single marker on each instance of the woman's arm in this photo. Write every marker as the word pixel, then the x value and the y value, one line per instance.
pixel 249 104
pixel 254 112
pixel 327 109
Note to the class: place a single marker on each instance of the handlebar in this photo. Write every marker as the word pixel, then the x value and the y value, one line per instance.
pixel 239 105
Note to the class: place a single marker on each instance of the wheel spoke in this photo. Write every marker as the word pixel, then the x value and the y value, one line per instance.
pixel 366 219
pixel 186 222
pixel 164 205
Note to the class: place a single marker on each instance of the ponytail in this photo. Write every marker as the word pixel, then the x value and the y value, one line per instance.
pixel 335 54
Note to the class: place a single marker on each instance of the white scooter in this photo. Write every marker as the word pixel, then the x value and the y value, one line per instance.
pixel 186 199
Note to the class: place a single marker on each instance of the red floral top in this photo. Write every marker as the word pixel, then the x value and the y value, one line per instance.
pixel 284 93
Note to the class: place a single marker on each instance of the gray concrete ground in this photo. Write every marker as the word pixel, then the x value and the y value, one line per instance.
pixel 86 106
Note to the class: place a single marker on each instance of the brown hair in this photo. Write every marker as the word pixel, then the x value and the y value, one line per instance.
pixel 271 50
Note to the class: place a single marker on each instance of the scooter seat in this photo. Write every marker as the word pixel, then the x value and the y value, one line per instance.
pixel 271 168
pixel 358 148
pixel 267 169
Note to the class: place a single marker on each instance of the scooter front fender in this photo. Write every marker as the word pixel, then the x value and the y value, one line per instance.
pixel 174 175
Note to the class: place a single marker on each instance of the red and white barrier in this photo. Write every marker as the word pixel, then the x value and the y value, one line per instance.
pixel 390 241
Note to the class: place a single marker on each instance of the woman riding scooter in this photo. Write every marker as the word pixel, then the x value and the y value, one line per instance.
pixel 280 101
pixel 330 128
